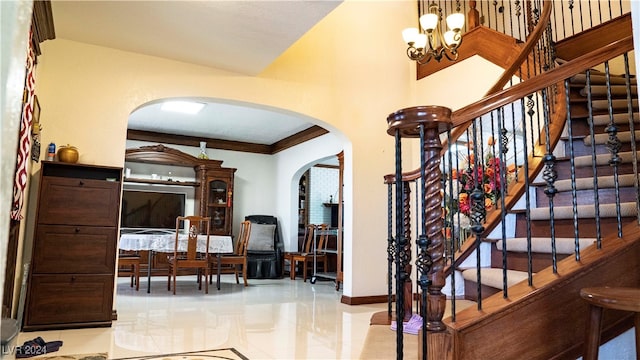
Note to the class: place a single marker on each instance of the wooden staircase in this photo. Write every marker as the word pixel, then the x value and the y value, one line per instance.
pixel 582 145
pixel 537 313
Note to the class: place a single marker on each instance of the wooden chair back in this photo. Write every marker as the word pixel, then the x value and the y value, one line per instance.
pixel 196 225
pixel 309 233
pixel 243 238
pixel 323 237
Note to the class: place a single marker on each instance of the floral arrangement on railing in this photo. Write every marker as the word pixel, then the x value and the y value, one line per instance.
pixel 486 175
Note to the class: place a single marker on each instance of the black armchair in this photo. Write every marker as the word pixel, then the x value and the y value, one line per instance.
pixel 264 256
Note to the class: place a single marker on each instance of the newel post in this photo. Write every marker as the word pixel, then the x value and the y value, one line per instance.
pixel 425 123
pixel 473 17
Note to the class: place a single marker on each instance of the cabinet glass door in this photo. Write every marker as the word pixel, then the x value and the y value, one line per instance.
pixel 218 206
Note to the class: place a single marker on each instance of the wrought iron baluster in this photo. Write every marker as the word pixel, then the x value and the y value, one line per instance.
pixel 501 173
pixel 391 247
pixel 550 175
pixel 634 153
pixel 574 192
pixel 613 145
pixel 478 213
pixel 594 167
pixel 400 242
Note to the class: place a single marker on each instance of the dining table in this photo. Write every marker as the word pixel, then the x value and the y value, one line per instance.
pixel 164 241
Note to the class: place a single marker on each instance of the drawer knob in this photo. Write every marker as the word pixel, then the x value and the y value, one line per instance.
pixel 77 229
pixel 81 182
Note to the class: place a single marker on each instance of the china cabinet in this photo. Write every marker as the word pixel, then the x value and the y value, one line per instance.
pixel 213 183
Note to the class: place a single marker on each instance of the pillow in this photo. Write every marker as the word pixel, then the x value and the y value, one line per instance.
pixel 261 237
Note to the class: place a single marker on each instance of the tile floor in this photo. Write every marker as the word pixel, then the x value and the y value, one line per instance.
pixel 270 319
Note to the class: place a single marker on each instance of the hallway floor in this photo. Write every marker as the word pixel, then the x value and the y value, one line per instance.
pixel 270 319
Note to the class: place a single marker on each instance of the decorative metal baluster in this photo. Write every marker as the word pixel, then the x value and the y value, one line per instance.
pixel 478 214
pixel 452 241
pixel 550 175
pixel 391 247
pixel 406 251
pixel 573 29
pixel 527 184
pixel 613 145
pixel 572 162
pixel 501 173
pixel 581 20
pixel 401 258
pixel 594 167
pixel 627 79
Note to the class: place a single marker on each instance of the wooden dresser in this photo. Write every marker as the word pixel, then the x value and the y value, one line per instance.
pixel 71 281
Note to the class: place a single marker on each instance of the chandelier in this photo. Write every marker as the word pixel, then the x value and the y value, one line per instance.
pixel 432 43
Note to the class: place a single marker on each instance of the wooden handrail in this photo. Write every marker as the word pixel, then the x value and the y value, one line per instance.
pixel 560 73
pixel 533 39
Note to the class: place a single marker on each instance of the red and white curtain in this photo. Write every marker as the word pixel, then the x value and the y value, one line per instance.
pixel 24 142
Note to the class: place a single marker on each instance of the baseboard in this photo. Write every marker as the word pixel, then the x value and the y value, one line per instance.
pixel 361 300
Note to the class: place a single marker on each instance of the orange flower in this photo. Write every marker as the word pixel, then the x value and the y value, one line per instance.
pixel 489 172
pixel 491 141
pixel 454 174
pixel 511 168
pixel 487 188
pixel 472 158
pixel 462 197
pixel 488 204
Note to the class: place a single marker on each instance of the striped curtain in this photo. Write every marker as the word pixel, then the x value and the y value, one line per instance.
pixel 24 141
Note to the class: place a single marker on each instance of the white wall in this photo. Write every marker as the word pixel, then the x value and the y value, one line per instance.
pixel 291 164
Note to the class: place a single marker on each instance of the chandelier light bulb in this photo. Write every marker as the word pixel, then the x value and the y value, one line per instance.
pixel 455 21
pixel 421 41
pixel 450 39
pixel 429 22
pixel 410 35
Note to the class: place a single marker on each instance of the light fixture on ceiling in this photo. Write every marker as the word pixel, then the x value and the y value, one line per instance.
pixel 432 43
pixel 181 106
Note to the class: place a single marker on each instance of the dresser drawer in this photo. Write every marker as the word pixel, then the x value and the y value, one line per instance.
pixel 66 299
pixel 79 201
pixel 60 249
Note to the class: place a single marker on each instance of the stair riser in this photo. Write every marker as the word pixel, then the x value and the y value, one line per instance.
pixel 580 128
pixel 471 290
pixel 565 228
pixel 564 171
pixel 585 197
pixel 580 149
pixel 519 261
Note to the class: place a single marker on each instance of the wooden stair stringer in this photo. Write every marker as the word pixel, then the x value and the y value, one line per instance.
pixel 506 328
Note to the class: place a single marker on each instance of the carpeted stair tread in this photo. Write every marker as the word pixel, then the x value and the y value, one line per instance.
pixel 584 211
pixel 599 78
pixel 616 90
pixel 618 118
pixel 493 276
pixel 603 159
pixel 604 182
pixel 543 244
pixel 623 136
pixel 615 103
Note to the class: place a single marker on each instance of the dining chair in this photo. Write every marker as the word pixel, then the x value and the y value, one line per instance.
pixel 129 265
pixel 190 257
pixel 232 262
pixel 309 232
pixel 307 257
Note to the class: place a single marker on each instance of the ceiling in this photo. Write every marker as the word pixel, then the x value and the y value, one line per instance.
pixel 239 36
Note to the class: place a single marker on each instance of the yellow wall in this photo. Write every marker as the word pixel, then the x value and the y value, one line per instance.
pixel 350 72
